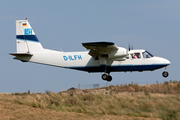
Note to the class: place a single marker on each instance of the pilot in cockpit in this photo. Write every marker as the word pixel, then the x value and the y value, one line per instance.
pixel 136 55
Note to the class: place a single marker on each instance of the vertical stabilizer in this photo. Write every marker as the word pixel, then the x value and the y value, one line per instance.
pixel 27 42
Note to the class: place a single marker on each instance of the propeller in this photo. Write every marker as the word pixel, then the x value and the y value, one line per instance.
pixel 130 47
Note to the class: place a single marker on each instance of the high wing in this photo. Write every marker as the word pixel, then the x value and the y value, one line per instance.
pixel 100 47
pixel 106 49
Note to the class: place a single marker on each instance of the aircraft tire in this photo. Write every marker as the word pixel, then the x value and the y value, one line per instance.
pixel 109 78
pixel 165 74
pixel 104 76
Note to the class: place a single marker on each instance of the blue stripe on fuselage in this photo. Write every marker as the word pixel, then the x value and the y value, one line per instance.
pixel 119 68
pixel 27 38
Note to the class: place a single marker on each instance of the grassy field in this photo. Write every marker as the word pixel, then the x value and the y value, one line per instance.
pixel 132 101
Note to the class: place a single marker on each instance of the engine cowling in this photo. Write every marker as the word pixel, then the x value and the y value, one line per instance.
pixel 118 55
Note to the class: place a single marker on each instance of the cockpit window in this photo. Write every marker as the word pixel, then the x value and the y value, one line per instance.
pixel 136 56
pixel 146 54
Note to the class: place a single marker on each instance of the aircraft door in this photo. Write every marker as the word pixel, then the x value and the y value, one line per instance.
pixel 137 61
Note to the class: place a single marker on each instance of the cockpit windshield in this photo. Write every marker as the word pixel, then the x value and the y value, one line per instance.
pixel 146 54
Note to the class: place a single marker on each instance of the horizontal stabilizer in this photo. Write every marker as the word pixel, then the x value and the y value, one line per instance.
pixel 21 54
pixel 24 57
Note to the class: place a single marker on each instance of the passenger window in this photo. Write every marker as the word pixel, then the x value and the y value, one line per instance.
pixel 136 56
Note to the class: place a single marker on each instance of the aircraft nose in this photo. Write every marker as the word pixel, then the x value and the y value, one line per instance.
pixel 167 61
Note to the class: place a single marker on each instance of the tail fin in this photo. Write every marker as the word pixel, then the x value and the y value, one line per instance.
pixel 27 42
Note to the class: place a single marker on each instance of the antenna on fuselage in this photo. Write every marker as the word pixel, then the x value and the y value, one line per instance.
pixel 61 49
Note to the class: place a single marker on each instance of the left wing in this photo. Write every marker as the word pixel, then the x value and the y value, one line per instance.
pixel 106 50
pixel 100 47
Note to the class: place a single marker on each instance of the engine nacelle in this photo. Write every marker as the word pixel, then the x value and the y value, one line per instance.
pixel 118 55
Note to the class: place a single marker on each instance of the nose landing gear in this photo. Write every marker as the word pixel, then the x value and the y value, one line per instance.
pixel 107 77
pixel 165 73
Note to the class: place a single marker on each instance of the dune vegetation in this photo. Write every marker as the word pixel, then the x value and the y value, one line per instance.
pixel 156 101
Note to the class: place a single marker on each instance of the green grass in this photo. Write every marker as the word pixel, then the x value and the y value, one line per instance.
pixel 156 100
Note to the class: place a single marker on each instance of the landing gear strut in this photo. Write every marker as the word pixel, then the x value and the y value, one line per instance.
pixel 165 73
pixel 107 77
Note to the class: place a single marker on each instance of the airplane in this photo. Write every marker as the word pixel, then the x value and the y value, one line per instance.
pixel 102 57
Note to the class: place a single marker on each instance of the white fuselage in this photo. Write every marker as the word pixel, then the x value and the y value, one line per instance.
pixel 84 62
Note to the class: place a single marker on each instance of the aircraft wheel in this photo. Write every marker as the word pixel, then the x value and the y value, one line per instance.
pixel 104 76
pixel 165 74
pixel 109 78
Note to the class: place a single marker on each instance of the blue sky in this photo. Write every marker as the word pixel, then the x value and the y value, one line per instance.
pixel 152 25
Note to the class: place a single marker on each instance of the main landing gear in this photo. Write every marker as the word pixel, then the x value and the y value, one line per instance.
pixel 165 73
pixel 107 77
